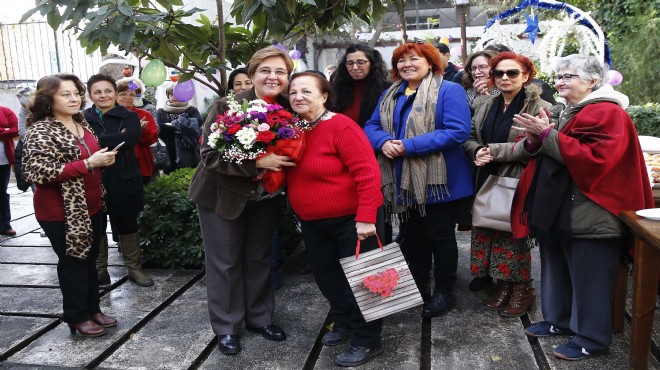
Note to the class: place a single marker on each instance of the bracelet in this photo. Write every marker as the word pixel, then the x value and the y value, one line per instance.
pixel 89 167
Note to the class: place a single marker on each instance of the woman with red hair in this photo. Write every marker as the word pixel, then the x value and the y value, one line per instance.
pixel 491 146
pixel 417 131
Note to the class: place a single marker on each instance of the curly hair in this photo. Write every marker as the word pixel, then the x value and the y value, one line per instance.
pixel 41 105
pixel 525 63
pixel 376 80
pixel 467 79
pixel 423 49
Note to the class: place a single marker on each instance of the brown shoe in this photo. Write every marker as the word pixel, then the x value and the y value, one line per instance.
pixel 104 320
pixel 522 298
pixel 87 329
pixel 501 297
pixel 9 232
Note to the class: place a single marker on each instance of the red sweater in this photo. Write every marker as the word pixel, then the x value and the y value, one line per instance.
pixel 48 200
pixel 148 136
pixel 353 110
pixel 8 131
pixel 338 174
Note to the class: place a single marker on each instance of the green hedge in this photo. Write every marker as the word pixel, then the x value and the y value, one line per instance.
pixel 169 227
pixel 169 224
pixel 646 118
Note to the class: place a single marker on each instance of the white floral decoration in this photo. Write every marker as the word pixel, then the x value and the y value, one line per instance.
pixel 554 41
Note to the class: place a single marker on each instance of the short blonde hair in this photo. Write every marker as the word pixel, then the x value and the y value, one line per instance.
pixel 266 53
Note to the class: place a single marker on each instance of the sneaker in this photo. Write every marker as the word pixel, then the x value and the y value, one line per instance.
pixel 571 351
pixel 545 329
pixel 335 336
pixel 355 355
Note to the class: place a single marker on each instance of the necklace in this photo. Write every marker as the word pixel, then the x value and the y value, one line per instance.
pixel 316 121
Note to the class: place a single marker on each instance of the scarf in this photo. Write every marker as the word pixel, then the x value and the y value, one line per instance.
pixel 496 127
pixel 602 156
pixel 418 173
pixel 48 147
pixel 176 108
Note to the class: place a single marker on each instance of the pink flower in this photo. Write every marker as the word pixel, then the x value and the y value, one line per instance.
pixel 263 127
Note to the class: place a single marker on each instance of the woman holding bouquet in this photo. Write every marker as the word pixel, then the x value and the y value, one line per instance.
pixel 237 218
pixel 335 191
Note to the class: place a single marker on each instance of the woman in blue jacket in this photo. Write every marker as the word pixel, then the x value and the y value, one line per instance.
pixel 417 132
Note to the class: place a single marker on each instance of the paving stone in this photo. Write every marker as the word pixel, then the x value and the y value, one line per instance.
pixel 128 303
pixel 300 310
pixel 16 329
pixel 31 239
pixel 172 340
pixel 32 301
pixel 28 275
pixel 22 226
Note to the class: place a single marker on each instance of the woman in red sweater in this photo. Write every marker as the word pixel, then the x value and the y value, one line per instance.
pixel 335 191
pixel 61 156
pixel 8 131
pixel 127 90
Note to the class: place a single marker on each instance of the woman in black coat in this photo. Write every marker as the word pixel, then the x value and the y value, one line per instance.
pixel 115 125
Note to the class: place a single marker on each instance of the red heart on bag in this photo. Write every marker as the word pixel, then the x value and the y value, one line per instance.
pixel 382 283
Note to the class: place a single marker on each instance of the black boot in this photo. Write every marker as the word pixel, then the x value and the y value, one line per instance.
pixel 440 304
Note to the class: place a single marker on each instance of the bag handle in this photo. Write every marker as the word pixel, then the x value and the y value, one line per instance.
pixel 357 247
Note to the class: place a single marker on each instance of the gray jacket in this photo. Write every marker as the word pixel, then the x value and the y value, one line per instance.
pixel 588 219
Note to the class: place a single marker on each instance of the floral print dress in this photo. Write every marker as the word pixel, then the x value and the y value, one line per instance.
pixel 493 254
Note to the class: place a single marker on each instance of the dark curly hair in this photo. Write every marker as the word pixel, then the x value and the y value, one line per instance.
pixel 467 79
pixel 41 106
pixel 375 82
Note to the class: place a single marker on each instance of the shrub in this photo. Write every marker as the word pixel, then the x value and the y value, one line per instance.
pixel 169 227
pixel 646 118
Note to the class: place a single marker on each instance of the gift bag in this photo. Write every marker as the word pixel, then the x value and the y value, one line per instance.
pixel 161 158
pixel 492 204
pixel 381 281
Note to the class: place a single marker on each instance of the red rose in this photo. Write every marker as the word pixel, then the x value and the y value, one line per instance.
pixel 233 129
pixel 281 116
pixel 265 136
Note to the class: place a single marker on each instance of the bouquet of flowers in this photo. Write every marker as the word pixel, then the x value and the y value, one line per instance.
pixel 251 130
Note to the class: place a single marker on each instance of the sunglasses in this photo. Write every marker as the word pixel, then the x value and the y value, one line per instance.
pixel 512 73
pixel 419 42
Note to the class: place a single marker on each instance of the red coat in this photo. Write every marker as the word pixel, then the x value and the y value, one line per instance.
pixel 8 131
pixel 148 136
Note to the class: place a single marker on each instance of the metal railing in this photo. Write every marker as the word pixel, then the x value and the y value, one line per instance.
pixel 31 50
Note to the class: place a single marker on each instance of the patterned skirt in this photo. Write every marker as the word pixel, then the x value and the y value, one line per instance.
pixel 492 253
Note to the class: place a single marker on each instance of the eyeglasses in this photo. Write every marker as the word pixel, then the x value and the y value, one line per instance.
pixel 268 71
pixel 419 42
pixel 511 73
pixel 482 68
pixel 565 77
pixel 127 94
pixel 359 62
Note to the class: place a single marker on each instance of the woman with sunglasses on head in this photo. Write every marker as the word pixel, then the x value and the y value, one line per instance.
pixel 417 131
pixel 494 254
pixel 587 168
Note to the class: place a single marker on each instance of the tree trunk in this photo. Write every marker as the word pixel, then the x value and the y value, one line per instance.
pixel 222 45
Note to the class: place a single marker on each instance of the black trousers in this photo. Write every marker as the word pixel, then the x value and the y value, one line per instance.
pixel 78 278
pixel 326 241
pixel 5 212
pixel 431 239
pixel 123 225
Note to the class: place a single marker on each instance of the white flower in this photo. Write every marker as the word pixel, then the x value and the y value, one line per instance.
pixel 246 136
pixel 213 140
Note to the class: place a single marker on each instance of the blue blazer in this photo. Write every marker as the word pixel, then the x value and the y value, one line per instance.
pixel 452 129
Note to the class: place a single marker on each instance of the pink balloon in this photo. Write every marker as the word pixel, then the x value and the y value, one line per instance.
pixel 456 51
pixel 614 77
pixel 184 91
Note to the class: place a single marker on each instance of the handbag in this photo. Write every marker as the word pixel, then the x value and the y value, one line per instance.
pixel 381 281
pixel 161 158
pixel 492 204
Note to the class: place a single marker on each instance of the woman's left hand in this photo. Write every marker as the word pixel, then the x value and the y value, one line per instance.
pixel 365 230
pixel 532 125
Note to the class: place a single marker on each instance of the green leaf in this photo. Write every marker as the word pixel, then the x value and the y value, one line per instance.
pixel 28 14
pixel 186 76
pixel 54 19
pixel 125 9
pixel 126 36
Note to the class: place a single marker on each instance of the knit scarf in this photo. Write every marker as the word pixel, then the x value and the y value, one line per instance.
pixel 177 107
pixel 418 174
pixel 48 147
